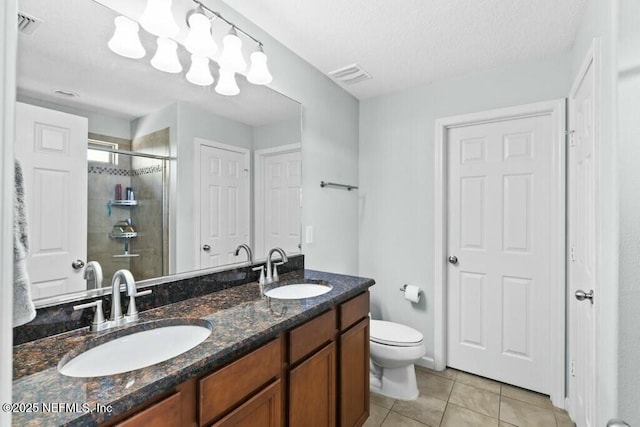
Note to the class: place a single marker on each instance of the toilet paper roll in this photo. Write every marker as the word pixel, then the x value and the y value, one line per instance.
pixel 412 293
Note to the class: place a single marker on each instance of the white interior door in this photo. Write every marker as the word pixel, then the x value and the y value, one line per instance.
pixel 278 200
pixel 582 245
pixel 498 320
pixel 224 203
pixel 52 149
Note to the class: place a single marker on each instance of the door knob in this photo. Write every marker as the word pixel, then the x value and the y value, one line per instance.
pixel 77 264
pixel 582 295
pixel 206 248
pixel 453 259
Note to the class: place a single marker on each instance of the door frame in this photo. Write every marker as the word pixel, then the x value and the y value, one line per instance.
pixel 259 157
pixel 556 109
pixel 199 142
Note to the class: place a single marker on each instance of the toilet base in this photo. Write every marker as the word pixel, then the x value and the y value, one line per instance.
pixel 397 383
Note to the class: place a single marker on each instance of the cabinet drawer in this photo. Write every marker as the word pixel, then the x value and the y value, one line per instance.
pixel 264 409
pixel 354 310
pixel 166 413
pixel 312 335
pixel 227 387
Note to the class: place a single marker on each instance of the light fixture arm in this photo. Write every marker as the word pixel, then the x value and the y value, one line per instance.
pixel 231 24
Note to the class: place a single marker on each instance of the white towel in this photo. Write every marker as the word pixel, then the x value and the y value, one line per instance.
pixel 23 309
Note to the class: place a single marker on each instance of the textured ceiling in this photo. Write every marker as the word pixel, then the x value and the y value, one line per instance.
pixel 69 51
pixel 405 43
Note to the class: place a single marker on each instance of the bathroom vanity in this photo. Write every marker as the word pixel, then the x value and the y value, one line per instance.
pixel 267 362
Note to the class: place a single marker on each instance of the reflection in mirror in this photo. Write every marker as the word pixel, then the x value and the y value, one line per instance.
pixel 162 177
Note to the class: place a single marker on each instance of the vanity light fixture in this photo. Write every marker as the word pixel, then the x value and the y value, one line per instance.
pixel 227 83
pixel 199 41
pixel 259 72
pixel 166 58
pixel 158 20
pixel 125 40
pixel 199 73
pixel 231 57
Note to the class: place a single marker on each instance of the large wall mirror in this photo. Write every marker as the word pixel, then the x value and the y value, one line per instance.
pixel 140 169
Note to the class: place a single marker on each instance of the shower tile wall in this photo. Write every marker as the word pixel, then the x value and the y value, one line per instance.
pixel 102 182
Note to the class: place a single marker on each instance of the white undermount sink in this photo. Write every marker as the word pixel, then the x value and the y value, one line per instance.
pixel 135 351
pixel 298 291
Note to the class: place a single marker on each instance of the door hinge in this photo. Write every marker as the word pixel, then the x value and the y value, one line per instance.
pixel 571 137
pixel 572 368
pixel 572 254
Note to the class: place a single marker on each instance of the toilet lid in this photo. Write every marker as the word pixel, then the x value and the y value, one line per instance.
pixel 395 334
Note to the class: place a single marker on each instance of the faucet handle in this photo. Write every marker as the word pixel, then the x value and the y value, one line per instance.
pixel 262 280
pixel 98 318
pixel 132 310
pixel 275 270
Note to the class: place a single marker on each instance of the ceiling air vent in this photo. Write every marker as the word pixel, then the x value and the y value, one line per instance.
pixel 351 74
pixel 27 24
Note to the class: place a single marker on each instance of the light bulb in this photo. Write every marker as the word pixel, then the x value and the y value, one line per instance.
pixel 125 40
pixel 166 58
pixel 199 73
pixel 227 83
pixel 231 57
pixel 199 41
pixel 259 72
pixel 158 19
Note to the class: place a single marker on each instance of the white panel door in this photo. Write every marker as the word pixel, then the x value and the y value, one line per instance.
pixel 582 247
pixel 224 203
pixel 52 149
pixel 282 186
pixel 498 228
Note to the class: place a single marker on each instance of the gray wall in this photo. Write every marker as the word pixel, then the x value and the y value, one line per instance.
pixel 397 175
pixel 276 134
pixel 629 181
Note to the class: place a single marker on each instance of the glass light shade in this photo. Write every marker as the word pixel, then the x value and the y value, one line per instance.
pixel 166 58
pixel 125 40
pixel 199 41
pixel 158 19
pixel 199 73
pixel 259 72
pixel 227 83
pixel 231 57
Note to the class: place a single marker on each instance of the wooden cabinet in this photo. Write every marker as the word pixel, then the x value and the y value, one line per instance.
pixel 316 374
pixel 354 375
pixel 264 410
pixel 312 390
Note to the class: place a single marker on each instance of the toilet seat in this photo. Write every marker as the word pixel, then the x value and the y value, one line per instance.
pixel 394 334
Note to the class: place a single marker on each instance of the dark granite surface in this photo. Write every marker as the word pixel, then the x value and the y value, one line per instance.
pixel 61 318
pixel 241 321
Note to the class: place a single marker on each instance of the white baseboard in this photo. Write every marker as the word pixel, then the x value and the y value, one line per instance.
pixel 426 362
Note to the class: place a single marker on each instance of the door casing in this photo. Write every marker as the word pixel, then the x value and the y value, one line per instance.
pixel 557 110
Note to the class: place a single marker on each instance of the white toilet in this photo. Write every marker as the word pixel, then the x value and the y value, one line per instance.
pixel 394 348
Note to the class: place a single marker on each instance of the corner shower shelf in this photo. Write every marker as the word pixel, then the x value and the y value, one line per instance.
pixel 124 202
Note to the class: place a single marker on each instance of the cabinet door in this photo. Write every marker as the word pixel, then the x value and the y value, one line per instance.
pixel 263 410
pixel 166 413
pixel 312 390
pixel 354 375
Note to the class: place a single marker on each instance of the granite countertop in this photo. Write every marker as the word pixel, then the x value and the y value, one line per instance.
pixel 241 320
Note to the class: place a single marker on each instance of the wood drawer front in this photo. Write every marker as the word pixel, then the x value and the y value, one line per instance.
pixel 312 335
pixel 264 410
pixel 165 413
pixel 223 389
pixel 354 310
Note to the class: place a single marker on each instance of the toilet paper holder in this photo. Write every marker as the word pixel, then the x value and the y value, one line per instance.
pixel 404 288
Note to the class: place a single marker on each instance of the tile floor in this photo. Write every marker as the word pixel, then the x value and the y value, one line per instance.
pixel 457 399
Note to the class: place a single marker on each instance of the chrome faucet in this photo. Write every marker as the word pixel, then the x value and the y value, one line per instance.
pixel 116 318
pixel 247 249
pixel 272 269
pixel 93 275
